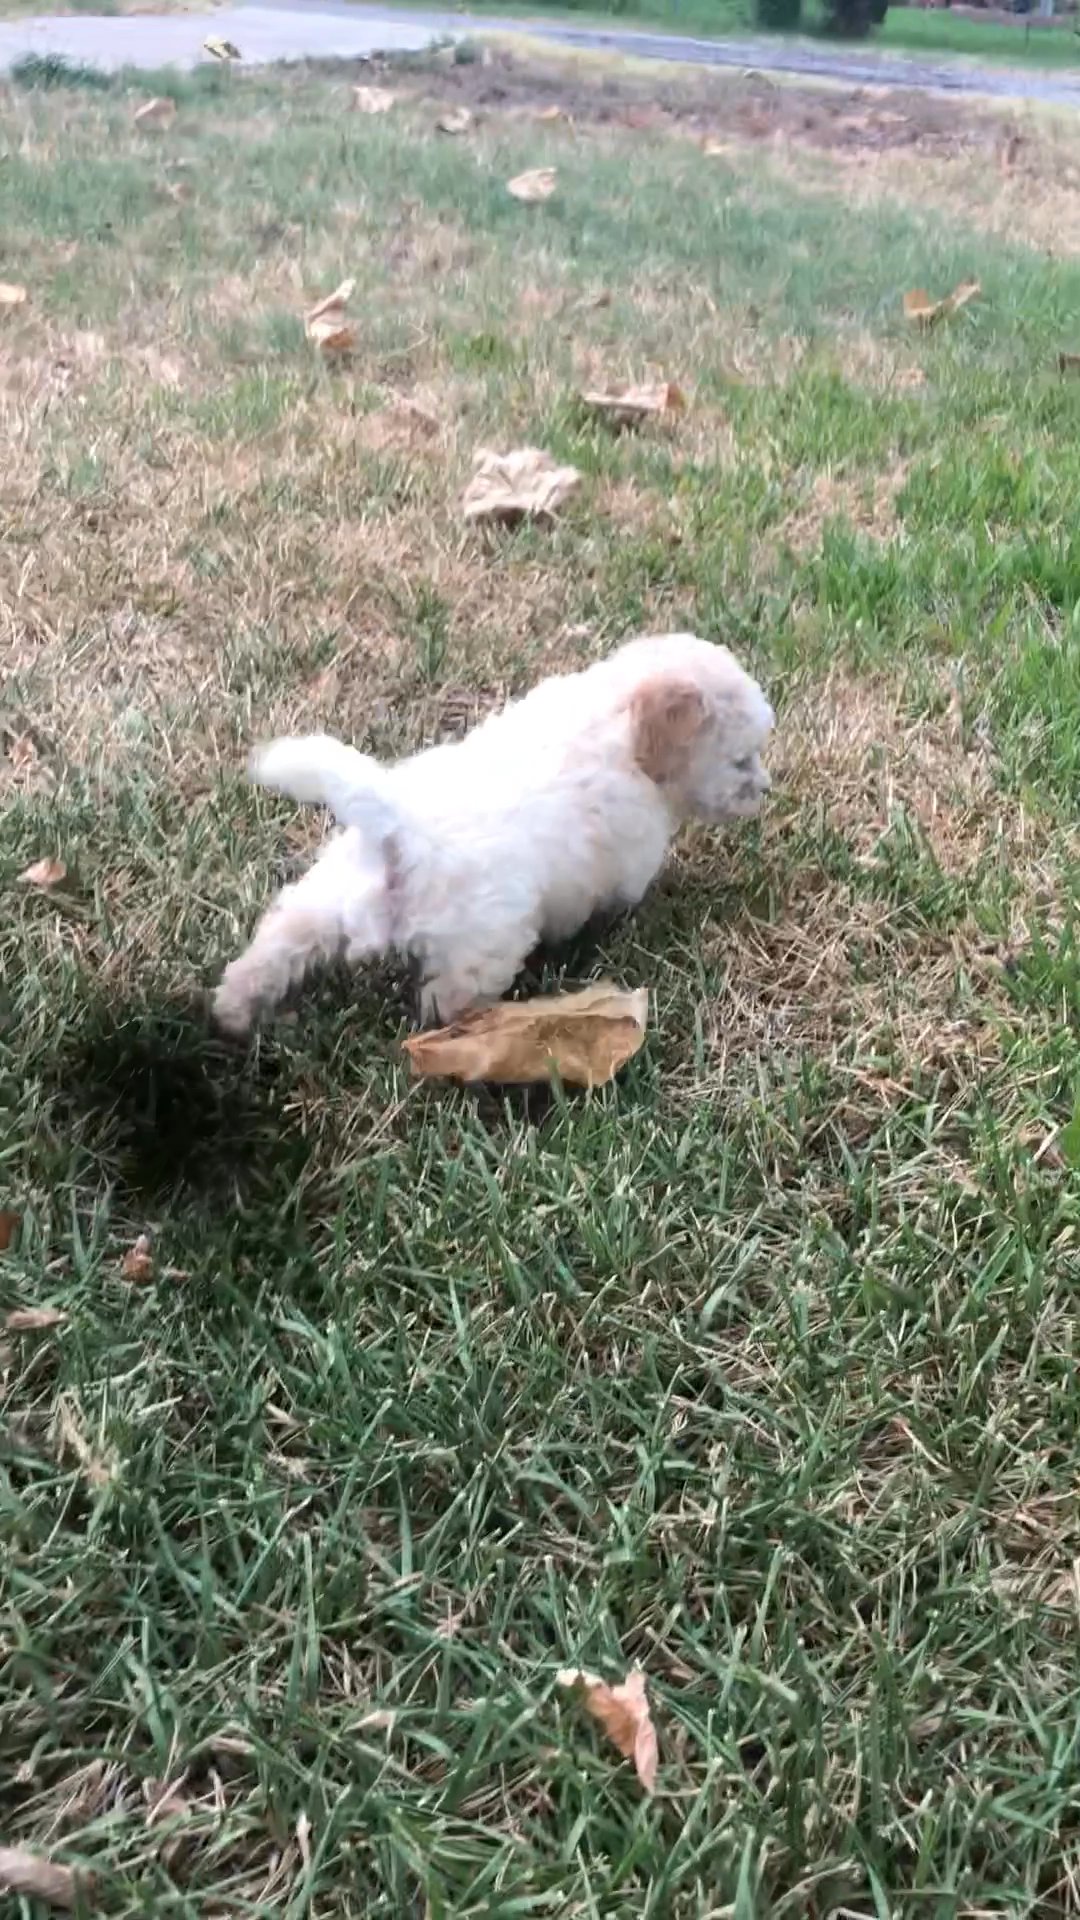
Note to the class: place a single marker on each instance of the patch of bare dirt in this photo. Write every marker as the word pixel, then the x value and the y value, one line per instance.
pixel 727 109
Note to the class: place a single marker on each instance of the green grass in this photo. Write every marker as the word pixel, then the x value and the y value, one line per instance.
pixel 758 1367
pixel 928 33
pixel 933 31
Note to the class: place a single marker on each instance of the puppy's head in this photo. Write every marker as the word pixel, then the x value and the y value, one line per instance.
pixel 698 727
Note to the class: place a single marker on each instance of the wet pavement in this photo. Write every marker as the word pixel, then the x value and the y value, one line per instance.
pixel 336 29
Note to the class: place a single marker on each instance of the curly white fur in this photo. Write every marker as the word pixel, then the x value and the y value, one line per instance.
pixel 465 856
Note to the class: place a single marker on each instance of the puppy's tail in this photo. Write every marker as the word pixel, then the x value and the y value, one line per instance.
pixel 325 772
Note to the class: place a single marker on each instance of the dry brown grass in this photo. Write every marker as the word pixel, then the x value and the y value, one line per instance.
pixel 886 1001
pixel 995 180
pixel 868 504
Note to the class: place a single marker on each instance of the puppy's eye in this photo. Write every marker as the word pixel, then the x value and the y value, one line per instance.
pixel 744 766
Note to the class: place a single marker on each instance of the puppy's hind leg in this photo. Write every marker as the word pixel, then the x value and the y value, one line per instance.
pixel 310 922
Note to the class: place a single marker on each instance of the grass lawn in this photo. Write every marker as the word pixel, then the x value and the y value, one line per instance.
pixel 924 33
pixel 929 32
pixel 757 1368
pixel 22 9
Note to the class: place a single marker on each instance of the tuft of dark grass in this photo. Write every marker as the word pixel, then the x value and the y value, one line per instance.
pixel 46 71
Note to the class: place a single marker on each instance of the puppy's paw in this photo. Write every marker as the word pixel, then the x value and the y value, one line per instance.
pixel 444 1000
pixel 231 1009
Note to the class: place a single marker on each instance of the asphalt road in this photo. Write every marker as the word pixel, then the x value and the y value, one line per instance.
pixel 336 29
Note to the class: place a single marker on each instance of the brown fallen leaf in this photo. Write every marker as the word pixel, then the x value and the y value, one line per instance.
pixel 586 1037
pixel 156 114
pixel 458 120
pixel 373 99
pixel 70 1439
pixel 1069 362
pixel 12 295
pixel 325 323
pixel 623 1712
pixel 179 191
pixel 165 1799
pixel 537 184
pixel 626 405
pixel 524 484
pixel 38 1879
pixel 44 873
pixel 925 312
pixel 1009 151
pixel 22 752
pixel 9 1227
pixel 33 1319
pixel 137 1264
pixel 1043 1145
pixel 554 113
pixel 919 307
pixel 221 49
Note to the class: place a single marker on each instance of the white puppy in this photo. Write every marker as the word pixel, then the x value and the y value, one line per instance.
pixel 467 855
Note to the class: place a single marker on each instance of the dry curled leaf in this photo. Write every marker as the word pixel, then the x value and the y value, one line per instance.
pixel 325 323
pixel 919 307
pixel 156 114
pixel 44 873
pixel 960 296
pixel 33 1319
pixel 12 295
pixel 38 1879
pixel 373 99
pixel 628 404
pixel 165 1799
pixel 98 1470
pixel 1069 362
pixel 379 1720
pixel 22 752
pixel 585 1037
pixel 458 120
pixel 9 1227
pixel 537 184
pixel 221 49
pixel 524 484
pixel 137 1264
pixel 303 1841
pixel 925 312
pixel 623 1712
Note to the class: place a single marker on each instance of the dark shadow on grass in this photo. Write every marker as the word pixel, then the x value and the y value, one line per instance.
pixel 180 1118
pixel 175 1113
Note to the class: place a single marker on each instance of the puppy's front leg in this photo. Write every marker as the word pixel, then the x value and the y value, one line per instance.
pixel 444 998
pixel 458 981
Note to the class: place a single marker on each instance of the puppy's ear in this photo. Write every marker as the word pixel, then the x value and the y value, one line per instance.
pixel 666 715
